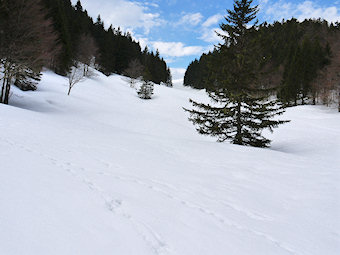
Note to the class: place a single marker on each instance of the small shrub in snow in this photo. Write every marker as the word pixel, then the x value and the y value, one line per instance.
pixel 146 90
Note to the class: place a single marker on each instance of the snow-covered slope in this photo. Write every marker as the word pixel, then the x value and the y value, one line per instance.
pixel 104 172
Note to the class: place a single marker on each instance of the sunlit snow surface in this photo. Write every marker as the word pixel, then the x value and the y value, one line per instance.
pixel 104 172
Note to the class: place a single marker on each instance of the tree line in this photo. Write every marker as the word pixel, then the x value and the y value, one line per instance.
pixel 300 61
pixel 54 34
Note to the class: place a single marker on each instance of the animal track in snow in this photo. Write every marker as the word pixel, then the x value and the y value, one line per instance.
pixel 161 186
pixel 114 205
pixel 150 237
pixel 210 213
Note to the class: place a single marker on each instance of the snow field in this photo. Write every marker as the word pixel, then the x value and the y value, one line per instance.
pixel 104 172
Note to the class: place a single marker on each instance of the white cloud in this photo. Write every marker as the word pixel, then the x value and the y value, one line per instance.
pixel 209 29
pixel 310 10
pixel 262 2
pixel 209 35
pixel 123 13
pixel 177 75
pixel 176 49
pixel 278 10
pixel 213 20
pixel 143 42
pixel 169 50
pixel 151 4
pixel 192 19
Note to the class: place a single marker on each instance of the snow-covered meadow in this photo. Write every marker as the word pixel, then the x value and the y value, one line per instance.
pixel 103 172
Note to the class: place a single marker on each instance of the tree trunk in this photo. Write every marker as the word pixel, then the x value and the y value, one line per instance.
pixel 3 90
pixel 69 90
pixel 4 80
pixel 8 89
pixel 238 137
pixel 339 101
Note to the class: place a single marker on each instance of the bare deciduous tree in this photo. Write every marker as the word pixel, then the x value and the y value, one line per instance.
pixel 27 41
pixel 75 76
pixel 87 52
pixel 134 71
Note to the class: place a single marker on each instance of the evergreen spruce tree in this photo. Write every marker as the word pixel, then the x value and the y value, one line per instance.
pixel 239 111
pixel 169 78
pixel 146 90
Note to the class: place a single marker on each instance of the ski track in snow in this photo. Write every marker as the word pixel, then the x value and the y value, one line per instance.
pixel 150 236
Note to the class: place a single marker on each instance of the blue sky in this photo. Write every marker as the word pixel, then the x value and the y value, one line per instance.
pixel 183 29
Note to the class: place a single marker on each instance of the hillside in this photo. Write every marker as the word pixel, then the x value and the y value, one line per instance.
pixel 104 172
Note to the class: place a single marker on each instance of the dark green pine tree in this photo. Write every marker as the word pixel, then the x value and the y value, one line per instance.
pixel 169 78
pixel 239 111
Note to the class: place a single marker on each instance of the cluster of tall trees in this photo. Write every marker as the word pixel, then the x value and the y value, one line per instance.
pixel 54 34
pixel 113 49
pixel 300 61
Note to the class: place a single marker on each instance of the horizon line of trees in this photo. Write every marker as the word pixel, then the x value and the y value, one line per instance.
pixel 301 62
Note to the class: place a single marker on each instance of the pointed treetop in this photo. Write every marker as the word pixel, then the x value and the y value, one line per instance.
pixel 146 50
pixel 238 20
pixel 99 21
pixel 78 6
